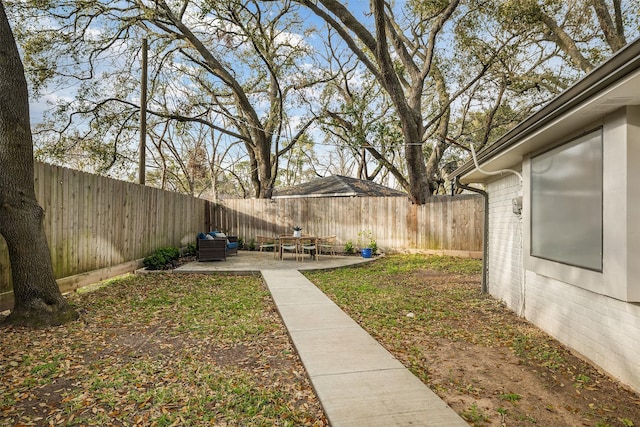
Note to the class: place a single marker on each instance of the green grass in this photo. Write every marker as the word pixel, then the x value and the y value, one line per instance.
pixel 417 306
pixel 160 349
pixel 510 397
pixel 383 293
pixel 167 349
pixel 475 415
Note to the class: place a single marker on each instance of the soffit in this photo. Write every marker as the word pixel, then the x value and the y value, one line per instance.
pixel 583 118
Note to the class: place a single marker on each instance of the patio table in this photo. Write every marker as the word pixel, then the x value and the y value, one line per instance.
pixel 297 244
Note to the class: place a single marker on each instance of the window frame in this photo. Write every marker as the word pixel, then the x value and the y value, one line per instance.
pixel 586 137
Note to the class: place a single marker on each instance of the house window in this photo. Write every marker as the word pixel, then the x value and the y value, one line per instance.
pixel 566 203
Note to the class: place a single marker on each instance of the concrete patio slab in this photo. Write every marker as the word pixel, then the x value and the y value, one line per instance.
pixel 249 262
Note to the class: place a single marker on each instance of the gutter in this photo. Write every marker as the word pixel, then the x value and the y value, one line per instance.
pixel 623 63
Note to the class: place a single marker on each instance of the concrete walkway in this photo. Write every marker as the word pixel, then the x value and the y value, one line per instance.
pixel 358 382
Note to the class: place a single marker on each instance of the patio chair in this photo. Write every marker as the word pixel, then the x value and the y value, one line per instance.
pixel 309 244
pixel 232 241
pixel 288 244
pixel 267 242
pixel 327 244
pixel 211 249
pixel 232 245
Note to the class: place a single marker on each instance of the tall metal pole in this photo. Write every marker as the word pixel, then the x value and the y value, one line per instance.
pixel 143 115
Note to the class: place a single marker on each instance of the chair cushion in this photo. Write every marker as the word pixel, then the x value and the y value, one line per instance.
pixel 232 245
pixel 201 236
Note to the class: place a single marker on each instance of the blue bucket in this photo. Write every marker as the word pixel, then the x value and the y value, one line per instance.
pixel 366 253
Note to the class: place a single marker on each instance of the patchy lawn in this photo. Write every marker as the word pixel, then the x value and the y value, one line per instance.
pixel 167 349
pixel 159 350
pixel 489 365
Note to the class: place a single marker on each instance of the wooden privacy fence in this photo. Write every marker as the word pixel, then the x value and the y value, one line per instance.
pixel 451 224
pixel 98 227
pixel 95 223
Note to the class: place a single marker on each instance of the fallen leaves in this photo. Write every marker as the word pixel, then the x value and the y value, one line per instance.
pixel 159 350
pixel 429 312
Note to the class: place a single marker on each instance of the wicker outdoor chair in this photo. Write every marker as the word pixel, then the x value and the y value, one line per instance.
pixel 212 249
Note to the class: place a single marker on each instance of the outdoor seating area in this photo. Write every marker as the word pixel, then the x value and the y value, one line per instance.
pixel 298 246
pixel 215 246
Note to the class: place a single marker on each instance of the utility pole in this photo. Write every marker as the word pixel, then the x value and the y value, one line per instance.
pixel 143 115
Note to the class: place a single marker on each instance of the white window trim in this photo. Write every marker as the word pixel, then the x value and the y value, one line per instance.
pixel 621 216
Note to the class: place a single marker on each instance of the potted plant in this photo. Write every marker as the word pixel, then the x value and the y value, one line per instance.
pixel 368 245
pixel 297 231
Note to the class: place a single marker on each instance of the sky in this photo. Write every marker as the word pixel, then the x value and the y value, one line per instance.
pixel 51 93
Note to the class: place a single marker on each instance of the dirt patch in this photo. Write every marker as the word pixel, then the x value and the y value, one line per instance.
pixel 491 366
pixel 515 381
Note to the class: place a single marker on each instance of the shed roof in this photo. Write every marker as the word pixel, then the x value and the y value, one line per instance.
pixel 337 186
pixel 608 87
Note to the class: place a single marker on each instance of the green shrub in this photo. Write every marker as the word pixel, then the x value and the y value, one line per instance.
pixel 161 259
pixel 190 250
pixel 155 261
pixel 348 248
pixel 170 253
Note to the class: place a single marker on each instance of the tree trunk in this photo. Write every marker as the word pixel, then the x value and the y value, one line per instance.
pixel 38 301
pixel 613 33
pixel 419 189
pixel 409 110
pixel 566 43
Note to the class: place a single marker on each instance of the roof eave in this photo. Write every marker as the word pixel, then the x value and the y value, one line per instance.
pixel 305 196
pixel 625 62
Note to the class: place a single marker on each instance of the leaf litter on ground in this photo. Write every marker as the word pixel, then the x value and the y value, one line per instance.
pixel 161 349
pixel 471 350
pixel 211 350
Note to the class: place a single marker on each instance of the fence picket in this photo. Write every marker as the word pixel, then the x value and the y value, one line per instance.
pixel 93 222
pixel 444 223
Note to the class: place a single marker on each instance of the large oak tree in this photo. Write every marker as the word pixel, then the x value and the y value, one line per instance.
pixel 38 301
pixel 234 67
pixel 440 71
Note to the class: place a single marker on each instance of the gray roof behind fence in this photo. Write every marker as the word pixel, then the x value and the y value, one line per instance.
pixel 338 186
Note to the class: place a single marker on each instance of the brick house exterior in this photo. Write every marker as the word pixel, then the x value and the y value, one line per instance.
pixel 584 291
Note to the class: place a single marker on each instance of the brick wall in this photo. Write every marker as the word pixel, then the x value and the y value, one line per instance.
pixel 505 243
pixel 602 329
